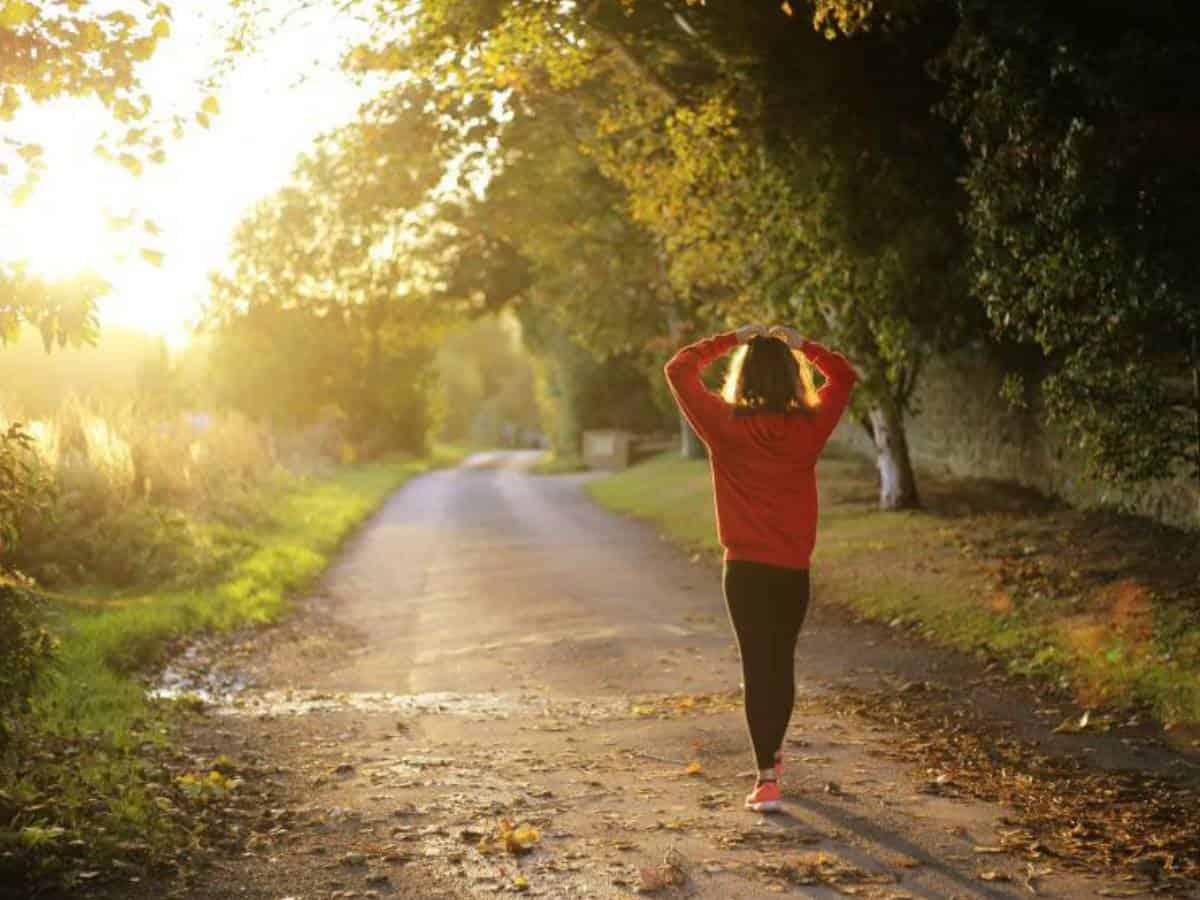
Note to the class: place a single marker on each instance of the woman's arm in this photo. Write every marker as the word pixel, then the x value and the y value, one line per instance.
pixel 834 395
pixel 703 409
pixel 840 377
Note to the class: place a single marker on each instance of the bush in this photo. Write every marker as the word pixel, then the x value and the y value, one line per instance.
pixel 25 647
pixel 107 495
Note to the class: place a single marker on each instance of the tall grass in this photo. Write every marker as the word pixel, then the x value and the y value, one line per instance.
pixel 136 497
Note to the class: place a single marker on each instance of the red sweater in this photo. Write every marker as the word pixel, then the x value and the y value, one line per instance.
pixel 763 475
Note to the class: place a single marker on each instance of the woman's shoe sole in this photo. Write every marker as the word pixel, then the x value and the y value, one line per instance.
pixel 767 806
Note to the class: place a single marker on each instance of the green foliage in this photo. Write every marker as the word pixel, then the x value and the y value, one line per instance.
pixel 581 389
pixel 1082 189
pixel 327 312
pixel 63 312
pixel 25 649
pixel 23 487
pixel 656 168
pixel 712 165
pixel 487 383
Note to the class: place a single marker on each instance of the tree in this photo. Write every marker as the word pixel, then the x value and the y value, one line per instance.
pixel 487 381
pixel 595 293
pixel 781 173
pixel 1083 186
pixel 330 304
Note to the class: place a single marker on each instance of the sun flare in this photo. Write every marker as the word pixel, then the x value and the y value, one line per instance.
pixel 86 214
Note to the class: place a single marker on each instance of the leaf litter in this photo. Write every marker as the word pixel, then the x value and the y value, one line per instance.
pixel 1133 825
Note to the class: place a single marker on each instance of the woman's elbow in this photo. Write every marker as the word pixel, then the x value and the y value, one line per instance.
pixel 674 369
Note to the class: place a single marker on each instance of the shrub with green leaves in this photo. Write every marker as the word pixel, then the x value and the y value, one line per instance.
pixel 22 483
pixel 25 647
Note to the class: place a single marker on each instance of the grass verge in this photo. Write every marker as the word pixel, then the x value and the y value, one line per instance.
pixel 88 786
pixel 1104 605
pixel 558 464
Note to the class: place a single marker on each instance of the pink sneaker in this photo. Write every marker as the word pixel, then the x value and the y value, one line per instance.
pixel 765 797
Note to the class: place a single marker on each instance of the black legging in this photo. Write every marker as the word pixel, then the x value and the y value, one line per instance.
pixel 766 606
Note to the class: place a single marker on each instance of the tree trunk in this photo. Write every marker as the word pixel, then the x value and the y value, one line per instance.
pixel 690 446
pixel 897 481
pixel 1196 395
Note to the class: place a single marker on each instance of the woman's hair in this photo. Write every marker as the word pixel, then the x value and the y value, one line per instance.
pixel 766 375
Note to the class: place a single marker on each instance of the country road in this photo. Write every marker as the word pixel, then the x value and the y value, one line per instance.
pixel 494 646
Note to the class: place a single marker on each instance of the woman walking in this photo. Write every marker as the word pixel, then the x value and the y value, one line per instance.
pixel 764 434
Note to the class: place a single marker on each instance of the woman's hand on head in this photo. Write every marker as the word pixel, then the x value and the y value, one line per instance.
pixel 747 333
pixel 789 336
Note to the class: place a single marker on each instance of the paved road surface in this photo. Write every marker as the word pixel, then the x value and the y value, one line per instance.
pixel 494 646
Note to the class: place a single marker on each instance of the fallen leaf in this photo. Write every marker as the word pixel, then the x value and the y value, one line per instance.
pixel 510 838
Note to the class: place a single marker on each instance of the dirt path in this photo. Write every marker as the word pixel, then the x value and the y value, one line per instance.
pixel 492 646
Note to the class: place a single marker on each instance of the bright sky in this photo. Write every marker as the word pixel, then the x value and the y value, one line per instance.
pixel 272 106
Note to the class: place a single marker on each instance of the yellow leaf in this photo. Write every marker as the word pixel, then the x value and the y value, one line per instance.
pixel 518 839
pixel 520 882
pixel 124 110
pixel 21 194
pixel 90 35
pixel 155 258
pixel 17 12
pixel 10 102
pixel 161 29
pixel 694 768
pixel 130 163
pixel 210 106
pixel 521 838
pixel 142 49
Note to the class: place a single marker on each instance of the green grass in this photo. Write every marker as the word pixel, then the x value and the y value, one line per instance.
pixel 1080 599
pixel 108 786
pixel 109 636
